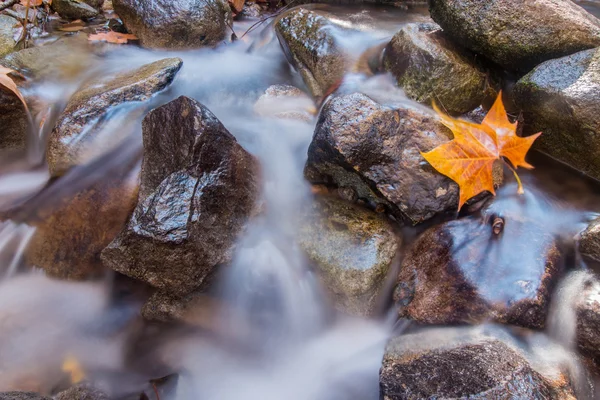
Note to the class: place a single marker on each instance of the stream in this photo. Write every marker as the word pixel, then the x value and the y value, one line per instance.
pixel 266 329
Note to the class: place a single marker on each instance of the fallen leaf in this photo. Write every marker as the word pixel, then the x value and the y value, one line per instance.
pixel 8 83
pixel 73 368
pixel 74 26
pixel 238 5
pixel 31 3
pixel 468 159
pixel 112 37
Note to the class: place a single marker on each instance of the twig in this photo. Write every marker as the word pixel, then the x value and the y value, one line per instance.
pixel 7 4
pixel 155 391
pixel 262 20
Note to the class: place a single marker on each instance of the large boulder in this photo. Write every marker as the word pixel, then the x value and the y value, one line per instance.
pixel 517 34
pixel 440 365
pixel 587 308
pixel 430 67
pixel 352 249
pixel 481 268
pixel 73 141
pixel 179 24
pixel 198 189
pixel 560 98
pixel 308 40
pixel 7 35
pixel 589 241
pixel 375 150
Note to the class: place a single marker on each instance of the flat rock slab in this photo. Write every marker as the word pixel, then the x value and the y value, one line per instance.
pixel 198 189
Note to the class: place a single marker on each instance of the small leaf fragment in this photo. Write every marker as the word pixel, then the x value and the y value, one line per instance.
pixel 112 37
pixel 72 366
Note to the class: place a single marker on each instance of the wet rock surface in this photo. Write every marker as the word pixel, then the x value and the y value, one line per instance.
pixel 375 150
pixel 82 392
pixel 308 40
pixel 71 234
pixel 352 249
pixel 475 368
pixel 480 268
pixel 285 102
pixel 428 66
pixel 589 241
pixel 560 99
pixel 7 33
pixel 72 141
pixel 198 189
pixel 77 9
pixel 588 321
pixel 517 35
pixel 22 396
pixel 171 24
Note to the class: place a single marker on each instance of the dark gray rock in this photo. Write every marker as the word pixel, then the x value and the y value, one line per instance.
pixel 77 9
pixel 560 99
pixel 308 41
pixel 426 366
pixel 71 142
pixel 181 24
pixel 375 150
pixel 517 34
pixel 588 320
pixel 430 67
pixel 480 268
pixel 198 189
pixel 352 249
pixel 82 392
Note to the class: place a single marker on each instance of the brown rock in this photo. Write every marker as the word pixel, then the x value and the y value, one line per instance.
pixel 464 272
pixel 198 189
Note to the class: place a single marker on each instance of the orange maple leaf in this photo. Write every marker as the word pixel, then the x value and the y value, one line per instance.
pixel 112 37
pixel 469 158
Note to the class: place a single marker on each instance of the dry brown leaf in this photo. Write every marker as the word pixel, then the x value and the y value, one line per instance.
pixel 74 26
pixel 468 159
pixel 8 83
pixel 31 3
pixel 112 37
pixel 237 5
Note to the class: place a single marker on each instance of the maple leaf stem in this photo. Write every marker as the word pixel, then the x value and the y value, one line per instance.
pixel 520 189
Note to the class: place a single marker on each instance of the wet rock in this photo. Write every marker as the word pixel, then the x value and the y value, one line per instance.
pixel 251 11
pixel 481 268
pixel 428 367
pixel 285 102
pixel 352 249
pixel 375 150
pixel 182 24
pixel 588 320
pixel 589 241
pixel 72 141
pixel 82 392
pixel 14 122
pixel 517 35
pixel 71 234
pixel 198 188
pixel 22 396
pixel 428 66
pixel 77 9
pixel 308 40
pixel 7 35
pixel 560 99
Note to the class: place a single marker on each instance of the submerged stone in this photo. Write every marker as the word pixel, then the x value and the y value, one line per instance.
pixel 198 189
pixel 561 99
pixel 168 24
pixel 352 250
pixel 308 40
pixel 430 67
pixel 481 268
pixel 375 150
pixel 73 141
pixel 285 102
pixel 517 34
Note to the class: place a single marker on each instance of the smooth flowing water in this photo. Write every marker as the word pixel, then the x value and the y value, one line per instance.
pixel 282 339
